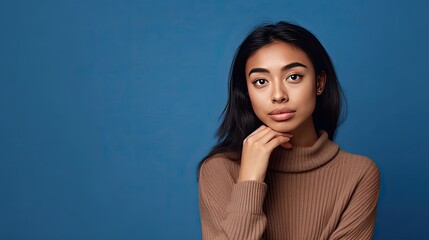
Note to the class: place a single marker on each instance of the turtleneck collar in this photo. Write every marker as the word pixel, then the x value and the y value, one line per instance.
pixel 301 159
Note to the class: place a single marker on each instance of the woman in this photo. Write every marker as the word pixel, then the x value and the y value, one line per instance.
pixel 276 172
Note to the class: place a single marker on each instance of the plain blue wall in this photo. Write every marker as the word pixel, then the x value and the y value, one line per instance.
pixel 108 106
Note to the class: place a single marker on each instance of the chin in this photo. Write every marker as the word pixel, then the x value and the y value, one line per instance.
pixel 284 127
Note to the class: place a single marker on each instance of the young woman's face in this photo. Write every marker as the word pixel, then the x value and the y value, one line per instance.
pixel 282 87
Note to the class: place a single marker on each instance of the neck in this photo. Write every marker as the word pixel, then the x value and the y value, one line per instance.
pixel 305 135
pixel 301 159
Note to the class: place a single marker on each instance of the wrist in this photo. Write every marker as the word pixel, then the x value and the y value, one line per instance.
pixel 243 178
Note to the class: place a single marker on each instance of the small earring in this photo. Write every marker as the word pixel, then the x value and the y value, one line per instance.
pixel 319 91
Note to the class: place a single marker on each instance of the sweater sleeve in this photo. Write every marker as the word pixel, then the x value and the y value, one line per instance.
pixel 358 219
pixel 230 210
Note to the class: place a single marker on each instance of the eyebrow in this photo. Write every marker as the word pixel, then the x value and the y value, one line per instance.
pixel 284 68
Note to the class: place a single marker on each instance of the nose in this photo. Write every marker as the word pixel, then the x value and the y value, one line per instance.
pixel 279 94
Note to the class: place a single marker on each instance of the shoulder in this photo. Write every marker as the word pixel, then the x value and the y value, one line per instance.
pixel 220 166
pixel 359 165
pixel 217 177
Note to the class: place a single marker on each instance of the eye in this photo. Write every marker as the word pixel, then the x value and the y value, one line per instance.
pixel 260 82
pixel 294 77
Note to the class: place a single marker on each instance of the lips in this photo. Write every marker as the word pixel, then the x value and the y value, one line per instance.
pixel 280 111
pixel 281 114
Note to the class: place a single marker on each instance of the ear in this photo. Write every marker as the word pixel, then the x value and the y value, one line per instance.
pixel 320 83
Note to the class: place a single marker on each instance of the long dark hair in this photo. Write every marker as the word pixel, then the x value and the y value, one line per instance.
pixel 239 119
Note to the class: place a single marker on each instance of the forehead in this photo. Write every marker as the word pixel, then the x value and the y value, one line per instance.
pixel 276 55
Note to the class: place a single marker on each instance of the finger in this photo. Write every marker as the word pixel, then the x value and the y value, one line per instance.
pixel 286 145
pixel 269 136
pixel 280 133
pixel 286 134
pixel 280 140
pixel 262 128
pixel 259 129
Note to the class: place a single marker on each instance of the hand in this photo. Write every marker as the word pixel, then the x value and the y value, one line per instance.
pixel 257 148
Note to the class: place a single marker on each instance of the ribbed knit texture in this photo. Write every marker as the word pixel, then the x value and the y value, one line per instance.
pixel 317 192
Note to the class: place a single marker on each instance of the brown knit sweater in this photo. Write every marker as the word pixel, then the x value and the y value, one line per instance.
pixel 317 192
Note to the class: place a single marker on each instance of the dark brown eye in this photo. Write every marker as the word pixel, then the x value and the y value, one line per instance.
pixel 295 77
pixel 260 82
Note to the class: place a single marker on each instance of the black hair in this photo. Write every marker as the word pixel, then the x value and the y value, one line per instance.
pixel 239 119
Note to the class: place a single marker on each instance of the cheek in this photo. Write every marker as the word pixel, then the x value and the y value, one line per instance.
pixel 308 102
pixel 258 102
pixel 303 98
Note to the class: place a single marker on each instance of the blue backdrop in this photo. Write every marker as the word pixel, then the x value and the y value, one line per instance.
pixel 108 106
